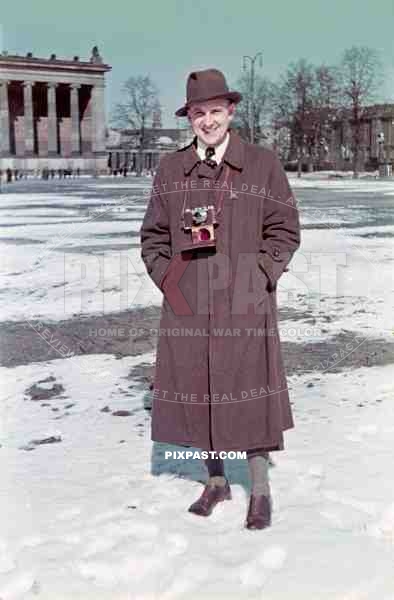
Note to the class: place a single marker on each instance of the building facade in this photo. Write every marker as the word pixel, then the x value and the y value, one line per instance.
pixel 335 150
pixel 377 138
pixel 123 147
pixel 52 113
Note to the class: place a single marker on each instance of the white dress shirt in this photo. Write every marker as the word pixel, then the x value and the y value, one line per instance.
pixel 219 150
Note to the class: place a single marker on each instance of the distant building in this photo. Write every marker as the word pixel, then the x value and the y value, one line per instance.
pixel 123 146
pixel 377 138
pixel 335 149
pixel 52 113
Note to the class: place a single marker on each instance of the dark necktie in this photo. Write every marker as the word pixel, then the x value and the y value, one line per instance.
pixel 209 152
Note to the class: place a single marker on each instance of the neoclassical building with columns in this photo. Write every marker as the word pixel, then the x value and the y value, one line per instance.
pixel 52 113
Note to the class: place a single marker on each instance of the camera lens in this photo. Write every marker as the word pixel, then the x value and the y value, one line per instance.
pixel 200 215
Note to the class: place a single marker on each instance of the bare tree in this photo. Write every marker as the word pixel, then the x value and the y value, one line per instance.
pixel 136 111
pixel 306 105
pixel 294 107
pixel 326 108
pixel 262 97
pixel 361 73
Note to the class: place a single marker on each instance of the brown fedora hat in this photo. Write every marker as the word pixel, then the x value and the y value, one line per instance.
pixel 206 85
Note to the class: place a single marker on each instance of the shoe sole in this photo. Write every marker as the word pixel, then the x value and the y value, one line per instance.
pixel 207 514
pixel 252 526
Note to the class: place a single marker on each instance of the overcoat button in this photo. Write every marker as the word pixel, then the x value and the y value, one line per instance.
pixel 276 251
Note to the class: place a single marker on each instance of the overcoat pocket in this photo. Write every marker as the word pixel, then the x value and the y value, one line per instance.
pixel 262 274
pixel 168 277
pixel 169 283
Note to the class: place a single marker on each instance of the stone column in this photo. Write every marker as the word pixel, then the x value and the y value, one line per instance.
pixel 98 121
pixel 52 120
pixel 5 146
pixel 75 125
pixel 28 117
pixel 86 120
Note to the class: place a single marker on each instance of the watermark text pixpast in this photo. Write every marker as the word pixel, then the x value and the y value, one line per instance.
pixel 204 454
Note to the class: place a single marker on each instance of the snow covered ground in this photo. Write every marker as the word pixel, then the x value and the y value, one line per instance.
pixel 102 515
pixel 55 266
pixel 98 512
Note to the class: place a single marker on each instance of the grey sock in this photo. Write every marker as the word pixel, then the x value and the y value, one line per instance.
pixel 217 480
pixel 258 469
pixel 215 468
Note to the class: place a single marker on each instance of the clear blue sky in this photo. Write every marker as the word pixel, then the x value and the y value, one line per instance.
pixel 167 39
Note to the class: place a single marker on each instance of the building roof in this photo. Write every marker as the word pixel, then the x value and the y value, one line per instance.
pixel 19 62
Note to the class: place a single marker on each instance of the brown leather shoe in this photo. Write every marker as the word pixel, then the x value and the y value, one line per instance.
pixel 259 512
pixel 211 496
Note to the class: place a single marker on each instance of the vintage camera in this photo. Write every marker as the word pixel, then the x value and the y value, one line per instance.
pixel 201 221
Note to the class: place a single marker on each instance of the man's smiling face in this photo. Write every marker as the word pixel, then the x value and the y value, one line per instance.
pixel 210 120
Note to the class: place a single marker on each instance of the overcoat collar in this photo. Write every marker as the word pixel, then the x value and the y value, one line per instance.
pixel 234 155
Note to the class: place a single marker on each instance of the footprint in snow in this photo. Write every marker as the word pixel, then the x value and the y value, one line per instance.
pixel 176 544
pixel 384 527
pixel 257 571
pixel 309 481
pixel 16 584
pixel 6 561
pixel 69 513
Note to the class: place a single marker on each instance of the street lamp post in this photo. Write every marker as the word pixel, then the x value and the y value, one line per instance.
pixel 385 168
pixel 259 55
pixel 382 156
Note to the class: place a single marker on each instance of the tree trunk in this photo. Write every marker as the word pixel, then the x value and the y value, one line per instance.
pixel 140 165
pixel 139 162
pixel 356 140
pixel 299 161
pixel 355 162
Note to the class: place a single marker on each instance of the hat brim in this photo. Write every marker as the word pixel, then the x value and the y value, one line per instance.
pixel 233 96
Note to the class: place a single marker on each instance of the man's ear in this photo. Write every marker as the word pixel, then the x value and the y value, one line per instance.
pixel 231 110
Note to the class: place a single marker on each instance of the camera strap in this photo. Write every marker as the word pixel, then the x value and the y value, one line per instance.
pixel 220 200
pixel 220 196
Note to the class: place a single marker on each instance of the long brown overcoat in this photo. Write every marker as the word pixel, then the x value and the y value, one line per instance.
pixel 219 380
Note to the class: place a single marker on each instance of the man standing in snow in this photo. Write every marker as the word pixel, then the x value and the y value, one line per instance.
pixel 221 219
